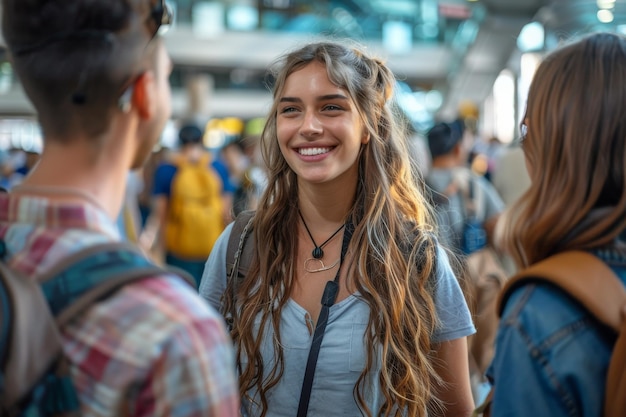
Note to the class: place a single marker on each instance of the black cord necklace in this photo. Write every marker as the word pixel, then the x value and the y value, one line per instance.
pixel 318 253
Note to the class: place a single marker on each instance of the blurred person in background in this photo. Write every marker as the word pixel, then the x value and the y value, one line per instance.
pixel 252 177
pixel 459 195
pixel 187 209
pixel 509 174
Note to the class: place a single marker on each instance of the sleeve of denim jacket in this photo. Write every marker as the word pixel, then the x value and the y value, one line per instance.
pixel 549 361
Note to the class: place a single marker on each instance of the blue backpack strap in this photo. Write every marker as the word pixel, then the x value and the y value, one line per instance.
pixel 95 273
pixel 72 286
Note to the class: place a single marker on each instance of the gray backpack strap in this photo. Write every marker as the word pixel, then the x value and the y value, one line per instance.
pixel 238 254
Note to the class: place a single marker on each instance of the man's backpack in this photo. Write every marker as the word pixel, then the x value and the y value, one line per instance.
pixel 594 285
pixel 195 209
pixel 34 375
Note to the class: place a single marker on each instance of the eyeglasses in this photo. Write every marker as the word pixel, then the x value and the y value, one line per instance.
pixel 160 18
pixel 158 21
pixel 523 130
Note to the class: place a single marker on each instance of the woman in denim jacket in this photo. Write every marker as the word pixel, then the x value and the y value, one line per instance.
pixel 551 355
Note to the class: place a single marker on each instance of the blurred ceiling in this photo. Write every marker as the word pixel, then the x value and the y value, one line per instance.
pixel 489 53
pixel 458 47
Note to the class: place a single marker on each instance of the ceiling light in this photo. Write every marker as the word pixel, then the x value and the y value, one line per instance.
pixel 605 16
pixel 606 4
pixel 531 37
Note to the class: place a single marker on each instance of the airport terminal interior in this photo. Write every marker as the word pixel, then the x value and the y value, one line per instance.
pixel 450 57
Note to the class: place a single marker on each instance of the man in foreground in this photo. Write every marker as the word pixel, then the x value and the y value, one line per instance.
pixel 97 74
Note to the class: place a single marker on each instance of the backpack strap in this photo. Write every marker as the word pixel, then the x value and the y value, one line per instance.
pixel 592 283
pixel 26 326
pixel 238 254
pixel 73 284
pixel 584 277
pixel 64 291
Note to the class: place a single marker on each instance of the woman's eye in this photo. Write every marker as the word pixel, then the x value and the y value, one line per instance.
pixel 332 107
pixel 288 110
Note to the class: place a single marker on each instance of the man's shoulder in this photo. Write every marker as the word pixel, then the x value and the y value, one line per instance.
pixel 439 178
pixel 152 312
pixel 165 295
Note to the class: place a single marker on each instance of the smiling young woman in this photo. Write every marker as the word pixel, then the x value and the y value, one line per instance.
pixel 347 282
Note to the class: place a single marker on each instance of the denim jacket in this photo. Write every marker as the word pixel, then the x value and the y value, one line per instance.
pixel 551 355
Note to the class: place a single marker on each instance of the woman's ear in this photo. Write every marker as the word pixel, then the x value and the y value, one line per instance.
pixel 365 137
pixel 144 95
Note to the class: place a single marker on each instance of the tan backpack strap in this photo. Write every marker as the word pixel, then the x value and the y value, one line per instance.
pixel 582 275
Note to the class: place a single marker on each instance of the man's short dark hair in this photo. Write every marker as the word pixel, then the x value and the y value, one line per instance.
pixel 190 134
pixel 443 137
pixel 75 58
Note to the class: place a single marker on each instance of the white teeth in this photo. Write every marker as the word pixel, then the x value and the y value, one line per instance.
pixel 313 151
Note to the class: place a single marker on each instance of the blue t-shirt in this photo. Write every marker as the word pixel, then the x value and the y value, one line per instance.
pixel 342 355
pixel 163 177
pixel 222 170
pixel 165 172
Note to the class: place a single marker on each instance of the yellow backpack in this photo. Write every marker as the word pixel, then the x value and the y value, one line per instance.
pixel 195 208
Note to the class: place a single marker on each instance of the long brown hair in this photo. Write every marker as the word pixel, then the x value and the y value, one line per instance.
pixel 576 151
pixel 393 253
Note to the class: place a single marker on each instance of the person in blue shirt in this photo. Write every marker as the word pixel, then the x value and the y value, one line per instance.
pixel 188 210
pixel 551 356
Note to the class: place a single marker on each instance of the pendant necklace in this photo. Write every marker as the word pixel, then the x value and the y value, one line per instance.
pixel 317 252
pixel 307 265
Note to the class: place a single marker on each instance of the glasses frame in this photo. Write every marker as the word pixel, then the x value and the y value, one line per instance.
pixel 160 17
pixel 523 130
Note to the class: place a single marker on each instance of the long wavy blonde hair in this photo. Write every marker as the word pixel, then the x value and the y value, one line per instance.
pixel 576 151
pixel 394 256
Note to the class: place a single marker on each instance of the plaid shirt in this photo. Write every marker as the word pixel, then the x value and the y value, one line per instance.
pixel 152 349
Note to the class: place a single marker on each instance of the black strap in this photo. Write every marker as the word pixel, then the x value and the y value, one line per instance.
pixel 328 299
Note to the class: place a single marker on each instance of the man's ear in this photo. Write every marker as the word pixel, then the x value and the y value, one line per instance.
pixel 456 151
pixel 144 95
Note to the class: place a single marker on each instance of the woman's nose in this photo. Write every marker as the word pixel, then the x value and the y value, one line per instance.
pixel 311 125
